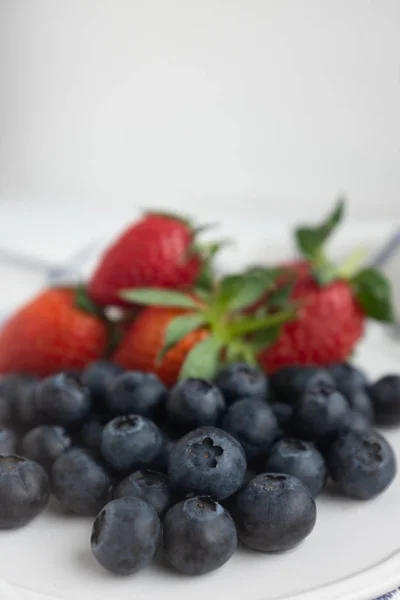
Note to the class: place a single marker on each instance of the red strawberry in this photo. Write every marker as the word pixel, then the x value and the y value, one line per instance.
pixel 145 339
pixel 179 335
pixel 50 334
pixel 157 251
pixel 333 305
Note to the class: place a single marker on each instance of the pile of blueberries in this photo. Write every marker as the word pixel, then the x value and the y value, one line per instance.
pixel 196 467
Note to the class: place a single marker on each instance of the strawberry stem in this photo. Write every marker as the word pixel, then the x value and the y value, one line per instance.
pixel 253 324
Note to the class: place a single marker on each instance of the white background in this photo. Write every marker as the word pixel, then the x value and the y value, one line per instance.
pixel 211 105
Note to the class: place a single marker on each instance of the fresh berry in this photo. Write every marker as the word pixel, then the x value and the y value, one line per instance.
pixel 148 485
pixel 273 512
pixel 8 441
pixel 125 536
pixel 207 461
pixel 320 412
pixel 181 335
pixel 253 424
pixel 24 491
pixel 45 443
pixel 62 400
pixel 300 459
pixel 25 410
pixel 195 402
pixel 385 394
pixel 283 413
pixel 50 334
pixel 362 464
pixel 333 304
pixel 154 252
pixel 137 393
pixel 348 379
pixel 16 400
pixel 130 442
pixel 355 420
pixel 92 431
pixel 80 483
pixel 289 383
pixel 239 380
pixel 96 376
pixel 141 346
pixel 199 536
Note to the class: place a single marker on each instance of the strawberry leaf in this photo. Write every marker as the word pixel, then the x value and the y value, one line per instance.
pixel 203 360
pixel 159 297
pixel 280 298
pixel 311 239
pixel 237 292
pixel 373 292
pixel 248 325
pixel 85 303
pixel 178 328
pixel 265 338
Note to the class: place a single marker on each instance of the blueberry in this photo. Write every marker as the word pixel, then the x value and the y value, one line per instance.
pixel 385 394
pixel 62 400
pixel 320 412
pixel 134 392
pixel 97 376
pixel 348 379
pixel 92 432
pixel 253 424
pixel 207 461
pixel 24 491
pixel 126 535
pixel 199 536
pixel 300 459
pixel 361 463
pixel 130 442
pixel 80 483
pixel 355 420
pixel 290 383
pixel 45 443
pixel 17 400
pixel 193 402
pixel 283 412
pixel 273 512
pixel 148 485
pixel 240 380
pixel 8 441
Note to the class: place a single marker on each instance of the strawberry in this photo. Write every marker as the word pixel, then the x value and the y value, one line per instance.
pixel 50 334
pixel 157 251
pixel 185 335
pixel 333 304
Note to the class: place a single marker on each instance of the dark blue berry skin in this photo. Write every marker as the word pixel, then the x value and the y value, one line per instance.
pixel 130 442
pixel 199 536
pixel 385 394
pixel 348 379
pixel 320 412
pixel 283 412
pixel 17 408
pixel 126 536
pixel 45 443
pixel 8 441
pixel 207 461
pixel 253 424
pixel 134 392
pixel 97 376
pixel 273 512
pixel 80 483
pixel 362 464
pixel 289 384
pixel 193 403
pixel 240 380
pixel 24 491
pixel 355 420
pixel 148 485
pixel 62 400
pixel 92 432
pixel 300 459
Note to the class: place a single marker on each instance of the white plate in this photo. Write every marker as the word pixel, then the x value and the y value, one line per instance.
pixel 353 554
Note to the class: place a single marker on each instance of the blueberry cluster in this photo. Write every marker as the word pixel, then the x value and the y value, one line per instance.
pixel 196 467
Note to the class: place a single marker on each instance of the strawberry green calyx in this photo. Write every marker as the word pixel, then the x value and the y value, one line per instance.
pixel 370 287
pixel 233 334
